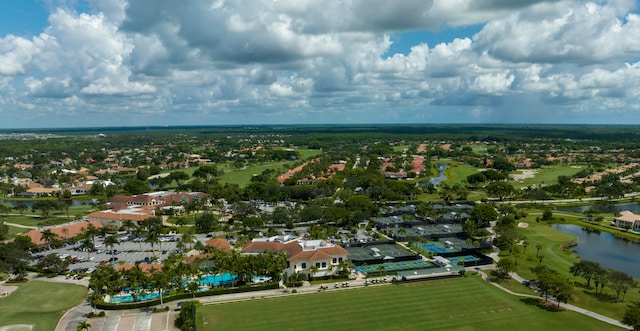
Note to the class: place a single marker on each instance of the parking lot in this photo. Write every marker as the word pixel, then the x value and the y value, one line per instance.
pixel 129 250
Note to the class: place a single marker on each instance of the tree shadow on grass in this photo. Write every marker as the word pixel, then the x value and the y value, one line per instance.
pixel 540 303
pixel 602 297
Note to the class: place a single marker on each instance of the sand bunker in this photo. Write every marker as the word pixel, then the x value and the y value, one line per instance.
pixel 523 225
pixel 529 173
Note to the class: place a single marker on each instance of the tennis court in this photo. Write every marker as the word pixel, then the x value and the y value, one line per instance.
pixel 394 267
pixel 465 258
pixel 433 247
pixel 371 254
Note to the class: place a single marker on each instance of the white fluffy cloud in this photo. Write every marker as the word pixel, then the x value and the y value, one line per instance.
pixel 284 61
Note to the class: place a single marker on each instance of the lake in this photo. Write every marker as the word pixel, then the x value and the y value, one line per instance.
pixel 29 203
pixel 441 176
pixel 605 248
pixel 612 208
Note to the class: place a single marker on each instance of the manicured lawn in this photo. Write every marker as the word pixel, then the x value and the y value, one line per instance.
pixel 548 175
pixel 242 177
pixel 40 304
pixel 457 173
pixel 561 260
pixel 452 304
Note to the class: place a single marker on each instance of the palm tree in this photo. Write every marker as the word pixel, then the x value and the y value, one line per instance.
pixel 314 269
pixel 91 232
pixel 48 236
pixel 538 248
pixel 381 269
pixel 128 225
pixel 110 241
pixel 160 280
pixel 87 244
pixel 193 288
pixel 84 326
pixel 189 236
pixel 344 265
pixel 153 238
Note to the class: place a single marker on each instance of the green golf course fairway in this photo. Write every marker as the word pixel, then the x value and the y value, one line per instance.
pixel 39 304
pixel 451 304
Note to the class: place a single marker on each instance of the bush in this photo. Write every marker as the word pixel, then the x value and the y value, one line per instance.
pixel 93 314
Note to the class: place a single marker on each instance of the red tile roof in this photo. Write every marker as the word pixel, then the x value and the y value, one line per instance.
pixel 220 244
pixel 72 230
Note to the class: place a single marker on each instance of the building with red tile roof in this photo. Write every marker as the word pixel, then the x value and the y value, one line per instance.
pixel 148 268
pixel 63 231
pixel 302 254
pixel 117 217
pixel 220 244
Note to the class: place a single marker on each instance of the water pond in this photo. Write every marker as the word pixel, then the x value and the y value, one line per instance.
pixel 602 247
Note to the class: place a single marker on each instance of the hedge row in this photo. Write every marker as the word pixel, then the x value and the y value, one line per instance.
pixel 184 295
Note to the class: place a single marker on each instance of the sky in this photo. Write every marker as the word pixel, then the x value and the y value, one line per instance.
pixel 114 63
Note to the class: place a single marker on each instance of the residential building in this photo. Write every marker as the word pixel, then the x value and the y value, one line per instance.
pixel 302 254
pixel 628 220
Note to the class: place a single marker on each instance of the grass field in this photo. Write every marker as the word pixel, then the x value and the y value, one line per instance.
pixel 561 260
pixel 548 176
pixel 40 304
pixel 242 177
pixel 457 173
pixel 452 304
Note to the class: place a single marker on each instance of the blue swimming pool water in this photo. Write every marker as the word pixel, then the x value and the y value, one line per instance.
pixel 129 297
pixel 217 279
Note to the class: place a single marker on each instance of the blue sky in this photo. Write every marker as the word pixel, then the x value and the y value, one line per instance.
pixel 77 63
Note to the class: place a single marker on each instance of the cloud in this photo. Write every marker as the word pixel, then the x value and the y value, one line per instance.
pixel 575 32
pixel 319 61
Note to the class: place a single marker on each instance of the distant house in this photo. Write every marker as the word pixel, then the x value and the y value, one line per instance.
pixel 36 192
pixel 302 254
pixel 628 220
pixel 79 190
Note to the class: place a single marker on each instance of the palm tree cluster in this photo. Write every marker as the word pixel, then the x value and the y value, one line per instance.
pixel 176 275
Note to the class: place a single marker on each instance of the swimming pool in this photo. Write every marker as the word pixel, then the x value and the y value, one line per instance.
pixel 210 280
pixel 129 298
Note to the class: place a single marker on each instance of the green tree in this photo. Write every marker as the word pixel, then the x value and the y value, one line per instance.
pixel 135 186
pixel 110 241
pixel 4 230
pixel 206 223
pixel 505 267
pixel 45 207
pixel 48 236
pixel 84 326
pixel 482 214
pixel 586 269
pixel 500 190
pixel 314 270
pixel 186 317
pixel 620 282
pixel 21 207
pixel 632 316
pixel 52 264
pixel 180 177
